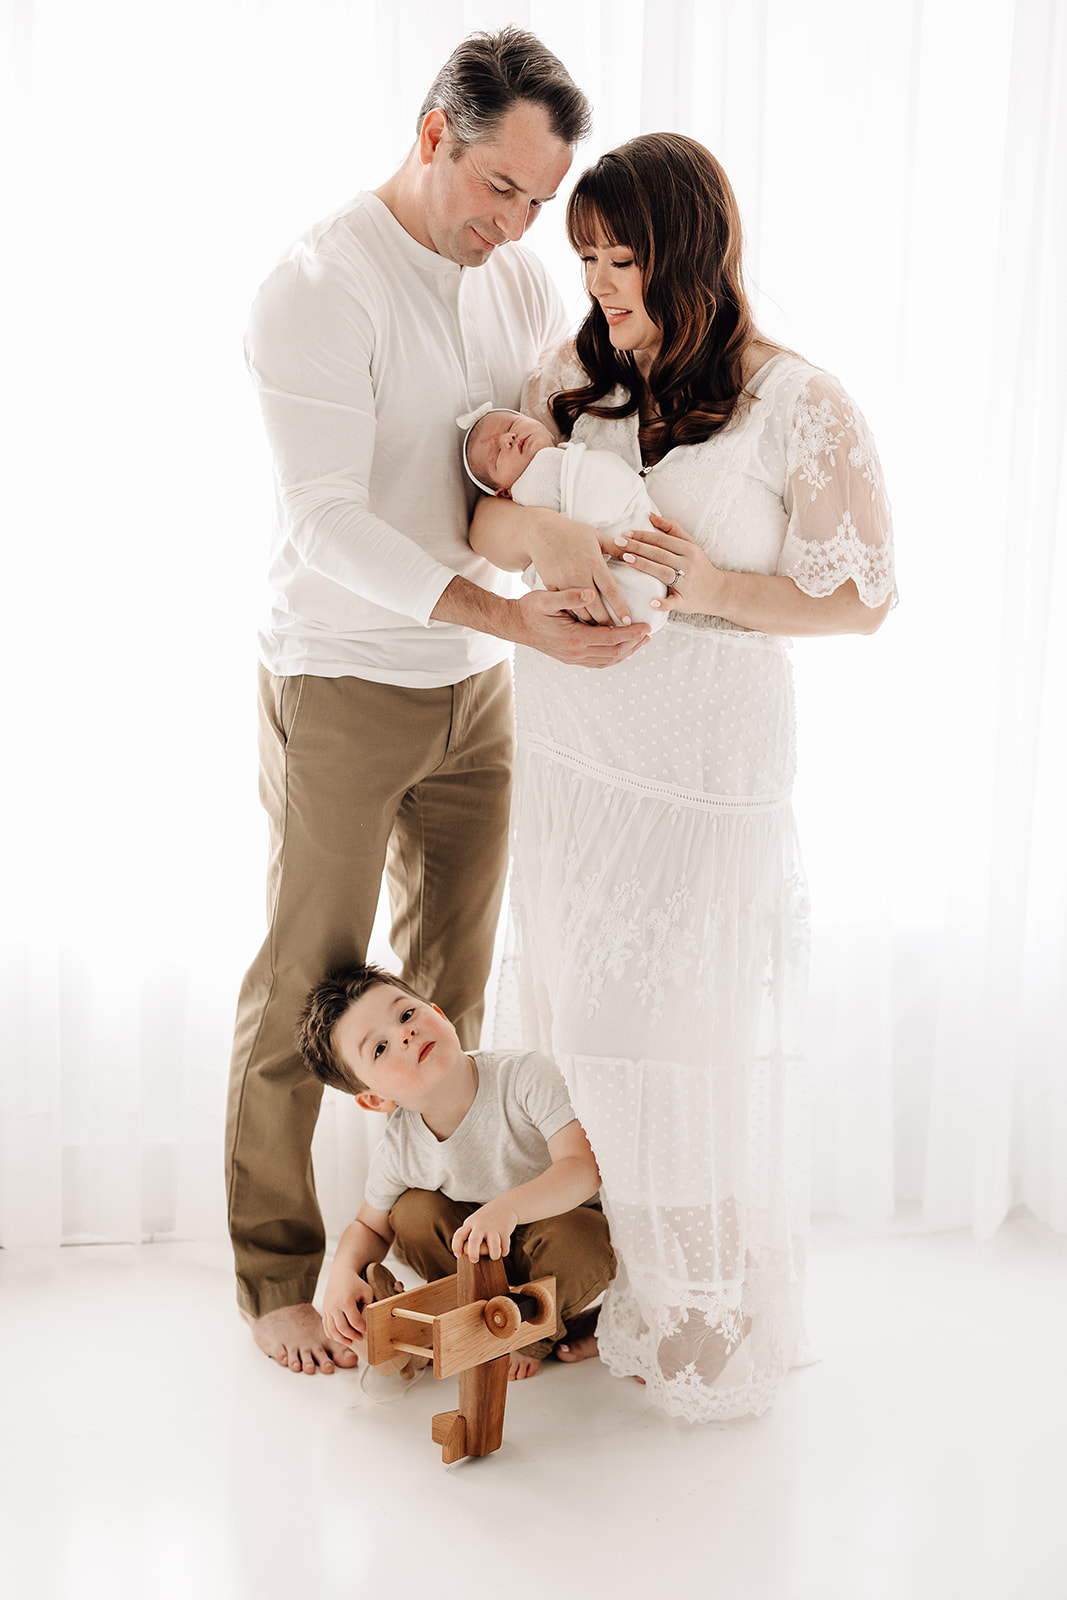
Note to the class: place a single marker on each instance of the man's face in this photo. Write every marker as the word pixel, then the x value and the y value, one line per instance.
pixel 495 190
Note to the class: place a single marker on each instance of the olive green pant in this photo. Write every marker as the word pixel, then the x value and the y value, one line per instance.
pixel 356 778
pixel 573 1248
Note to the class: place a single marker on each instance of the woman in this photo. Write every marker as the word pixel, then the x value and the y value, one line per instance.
pixel 660 913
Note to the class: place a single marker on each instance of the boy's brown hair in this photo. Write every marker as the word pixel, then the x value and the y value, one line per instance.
pixel 323 1009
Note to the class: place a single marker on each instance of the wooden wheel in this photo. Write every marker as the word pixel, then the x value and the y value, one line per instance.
pixel 543 1306
pixel 501 1316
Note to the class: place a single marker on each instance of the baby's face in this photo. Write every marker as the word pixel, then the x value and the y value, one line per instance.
pixel 502 446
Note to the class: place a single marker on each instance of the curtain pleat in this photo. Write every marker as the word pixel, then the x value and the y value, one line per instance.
pixel 901 168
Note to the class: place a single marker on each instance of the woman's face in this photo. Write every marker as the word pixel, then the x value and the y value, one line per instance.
pixel 613 279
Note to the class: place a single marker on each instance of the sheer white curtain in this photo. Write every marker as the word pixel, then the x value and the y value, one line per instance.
pixel 901 168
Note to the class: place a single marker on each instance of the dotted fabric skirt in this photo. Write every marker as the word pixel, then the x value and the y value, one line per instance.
pixel 658 950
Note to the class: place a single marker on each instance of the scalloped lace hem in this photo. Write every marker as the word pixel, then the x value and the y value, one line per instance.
pixel 712 1354
pixel 818 567
pixel 741 1388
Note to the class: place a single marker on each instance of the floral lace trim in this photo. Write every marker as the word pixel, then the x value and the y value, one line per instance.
pixel 820 430
pixel 812 449
pixel 685 1394
pixel 697 622
pixel 863 456
pixel 668 950
pixel 819 566
pixel 719 1324
pixel 664 940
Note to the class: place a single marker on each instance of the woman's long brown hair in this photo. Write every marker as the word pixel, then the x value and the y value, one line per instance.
pixel 668 201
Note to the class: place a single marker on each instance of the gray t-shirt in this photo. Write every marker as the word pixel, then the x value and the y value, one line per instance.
pixel 502 1141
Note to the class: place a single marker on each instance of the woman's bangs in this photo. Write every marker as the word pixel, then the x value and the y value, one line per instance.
pixel 590 223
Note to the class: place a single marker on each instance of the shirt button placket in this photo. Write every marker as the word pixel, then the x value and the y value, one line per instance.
pixel 479 385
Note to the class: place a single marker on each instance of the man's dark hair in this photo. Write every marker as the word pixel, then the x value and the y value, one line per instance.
pixel 489 73
pixel 323 1010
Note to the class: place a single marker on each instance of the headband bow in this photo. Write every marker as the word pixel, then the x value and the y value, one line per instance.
pixel 468 421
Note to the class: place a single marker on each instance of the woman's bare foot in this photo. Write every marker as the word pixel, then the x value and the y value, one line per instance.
pixel 293 1336
pixel 521 1366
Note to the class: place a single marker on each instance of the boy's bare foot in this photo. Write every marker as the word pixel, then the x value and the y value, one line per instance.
pixel 293 1336
pixel 580 1349
pixel 521 1366
pixel 581 1342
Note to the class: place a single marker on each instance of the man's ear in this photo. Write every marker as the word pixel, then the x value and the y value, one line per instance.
pixel 503 494
pixel 433 130
pixel 374 1102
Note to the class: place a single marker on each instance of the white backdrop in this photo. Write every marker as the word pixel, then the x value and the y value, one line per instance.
pixel 902 169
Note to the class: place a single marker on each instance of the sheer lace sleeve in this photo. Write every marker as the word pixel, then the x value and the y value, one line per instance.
pixel 839 521
pixel 563 370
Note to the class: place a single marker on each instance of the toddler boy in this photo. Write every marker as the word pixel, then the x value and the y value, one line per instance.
pixel 515 457
pixel 461 1128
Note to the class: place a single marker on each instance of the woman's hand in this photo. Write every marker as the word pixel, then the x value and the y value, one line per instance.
pixel 670 555
pixel 761 602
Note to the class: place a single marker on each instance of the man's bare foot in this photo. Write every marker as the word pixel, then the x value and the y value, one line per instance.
pixel 520 1366
pixel 293 1336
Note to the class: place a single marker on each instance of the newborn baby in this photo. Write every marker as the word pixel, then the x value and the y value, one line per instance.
pixel 514 456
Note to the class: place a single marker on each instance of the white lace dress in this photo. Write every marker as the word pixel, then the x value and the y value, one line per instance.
pixel 660 921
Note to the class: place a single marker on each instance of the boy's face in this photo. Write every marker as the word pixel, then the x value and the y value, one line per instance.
pixel 400 1047
pixel 503 445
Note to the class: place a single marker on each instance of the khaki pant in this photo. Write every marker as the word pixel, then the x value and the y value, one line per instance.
pixel 356 778
pixel 574 1248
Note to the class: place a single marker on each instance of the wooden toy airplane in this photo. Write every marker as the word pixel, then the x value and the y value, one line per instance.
pixel 469 1324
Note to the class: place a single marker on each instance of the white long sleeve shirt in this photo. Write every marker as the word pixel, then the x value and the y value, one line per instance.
pixel 364 347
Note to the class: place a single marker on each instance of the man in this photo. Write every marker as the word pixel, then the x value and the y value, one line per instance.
pixel 385 695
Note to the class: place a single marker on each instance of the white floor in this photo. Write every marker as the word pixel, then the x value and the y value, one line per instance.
pixel 147 1449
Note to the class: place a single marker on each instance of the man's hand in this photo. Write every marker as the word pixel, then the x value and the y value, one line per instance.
pixel 492 1225
pixel 346 1295
pixel 542 620
pixel 546 622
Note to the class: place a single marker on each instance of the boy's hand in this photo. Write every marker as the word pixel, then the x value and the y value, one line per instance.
pixel 346 1294
pixel 492 1225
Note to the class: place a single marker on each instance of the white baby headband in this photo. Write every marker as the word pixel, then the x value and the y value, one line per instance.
pixel 468 421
